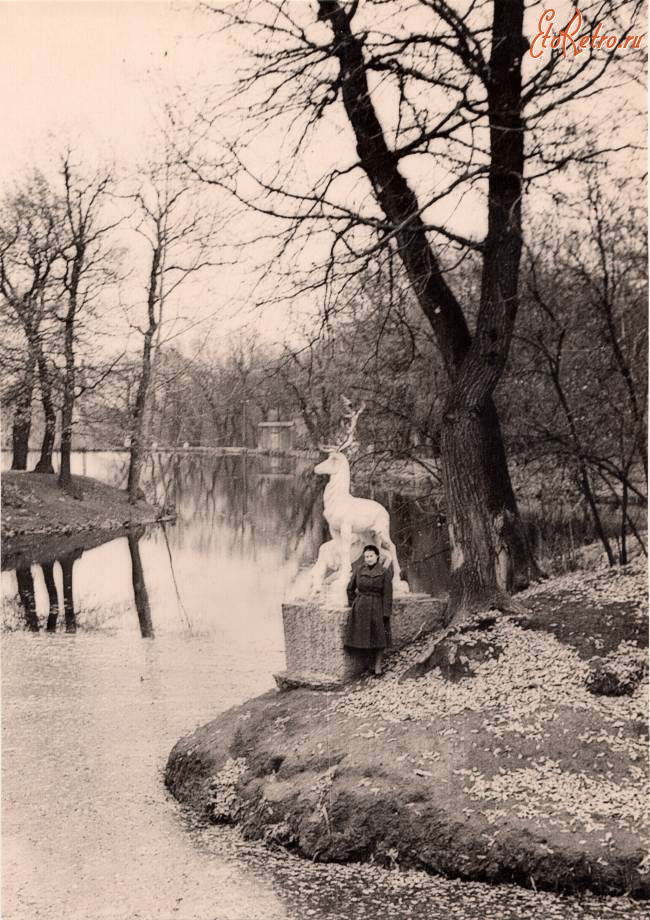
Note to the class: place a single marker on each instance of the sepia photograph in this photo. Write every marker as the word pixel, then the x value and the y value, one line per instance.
pixel 324 460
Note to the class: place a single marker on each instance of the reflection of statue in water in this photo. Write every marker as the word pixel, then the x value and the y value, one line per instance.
pixel 352 522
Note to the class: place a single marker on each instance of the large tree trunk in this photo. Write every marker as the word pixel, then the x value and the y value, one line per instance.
pixel 486 531
pixel 67 409
pixel 523 565
pixel 44 464
pixel 139 412
pixel 479 519
pixel 137 446
pixel 65 472
pixel 22 422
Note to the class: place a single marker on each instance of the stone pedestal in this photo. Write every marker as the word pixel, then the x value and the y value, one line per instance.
pixel 314 632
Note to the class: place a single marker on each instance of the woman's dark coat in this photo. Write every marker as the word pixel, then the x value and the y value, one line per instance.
pixel 370 594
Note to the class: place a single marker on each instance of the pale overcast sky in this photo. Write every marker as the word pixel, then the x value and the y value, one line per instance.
pixel 95 75
pixel 92 71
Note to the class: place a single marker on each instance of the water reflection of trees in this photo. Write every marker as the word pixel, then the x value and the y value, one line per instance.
pixel 243 493
pixel 241 503
pixel 27 597
pixel 239 506
pixel 27 594
pixel 52 595
pixel 67 566
pixel 140 594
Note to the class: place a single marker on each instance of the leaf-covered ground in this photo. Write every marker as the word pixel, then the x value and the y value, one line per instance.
pixel 517 773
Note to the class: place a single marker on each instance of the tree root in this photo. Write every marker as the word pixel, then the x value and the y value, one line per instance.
pixel 452 652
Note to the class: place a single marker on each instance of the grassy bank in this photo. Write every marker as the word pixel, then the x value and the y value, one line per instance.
pixel 35 508
pixel 517 773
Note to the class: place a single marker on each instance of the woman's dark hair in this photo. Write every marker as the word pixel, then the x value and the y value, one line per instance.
pixel 372 548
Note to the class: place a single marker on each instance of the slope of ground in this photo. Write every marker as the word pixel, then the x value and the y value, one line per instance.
pixel 517 773
pixel 34 508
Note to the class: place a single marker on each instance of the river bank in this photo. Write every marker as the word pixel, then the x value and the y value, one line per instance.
pixel 517 774
pixel 35 509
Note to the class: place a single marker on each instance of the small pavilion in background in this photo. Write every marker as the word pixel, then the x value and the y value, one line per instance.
pixel 276 435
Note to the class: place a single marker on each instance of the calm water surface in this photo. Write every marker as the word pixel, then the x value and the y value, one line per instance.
pixel 95 696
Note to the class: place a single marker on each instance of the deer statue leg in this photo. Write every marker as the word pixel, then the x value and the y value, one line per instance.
pixel 327 559
pixel 346 545
pixel 339 587
pixel 384 540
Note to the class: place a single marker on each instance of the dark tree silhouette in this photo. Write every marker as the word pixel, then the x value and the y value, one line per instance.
pixel 29 255
pixel 53 597
pixel 27 597
pixel 86 266
pixel 139 586
pixel 456 103
pixel 67 566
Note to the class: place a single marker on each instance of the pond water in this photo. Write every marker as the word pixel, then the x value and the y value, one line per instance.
pixel 246 526
pixel 156 635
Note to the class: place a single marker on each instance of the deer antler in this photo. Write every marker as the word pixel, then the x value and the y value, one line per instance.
pixel 349 435
pixel 354 418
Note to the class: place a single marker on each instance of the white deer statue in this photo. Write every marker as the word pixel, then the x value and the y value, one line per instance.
pixel 351 521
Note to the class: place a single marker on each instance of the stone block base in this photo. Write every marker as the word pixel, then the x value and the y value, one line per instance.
pixel 309 681
pixel 314 633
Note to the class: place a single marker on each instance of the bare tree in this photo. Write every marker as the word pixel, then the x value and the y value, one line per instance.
pixel 180 232
pixel 29 255
pixel 18 392
pixel 86 269
pixel 583 354
pixel 455 101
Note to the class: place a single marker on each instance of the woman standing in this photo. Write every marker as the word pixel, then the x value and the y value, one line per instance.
pixel 370 594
